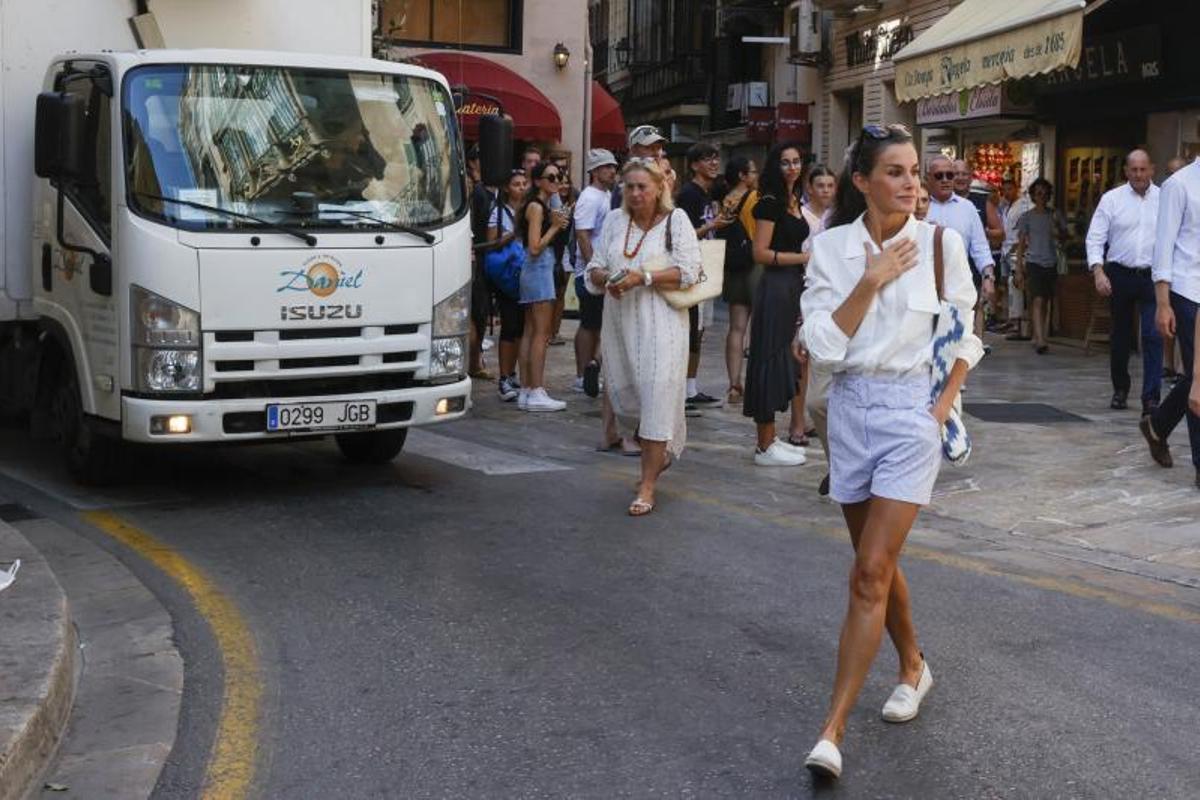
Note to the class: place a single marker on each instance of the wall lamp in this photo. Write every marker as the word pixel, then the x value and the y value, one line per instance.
pixel 561 55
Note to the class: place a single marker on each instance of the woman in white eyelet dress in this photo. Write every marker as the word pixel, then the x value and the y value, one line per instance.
pixel 645 342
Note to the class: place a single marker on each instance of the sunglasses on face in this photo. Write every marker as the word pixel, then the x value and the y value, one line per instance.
pixel 552 177
pixel 943 176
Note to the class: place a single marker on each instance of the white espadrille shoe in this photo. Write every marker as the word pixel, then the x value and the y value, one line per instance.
pixel 905 702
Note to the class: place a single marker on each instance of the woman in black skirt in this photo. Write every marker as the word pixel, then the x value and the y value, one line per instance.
pixel 773 377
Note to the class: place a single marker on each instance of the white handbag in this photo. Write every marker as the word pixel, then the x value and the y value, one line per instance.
pixel 709 284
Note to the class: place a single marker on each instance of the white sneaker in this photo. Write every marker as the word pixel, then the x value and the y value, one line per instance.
pixel 486 344
pixel 825 759
pixel 538 400
pixel 523 399
pixel 577 386
pixel 779 455
pixel 905 701
pixel 796 448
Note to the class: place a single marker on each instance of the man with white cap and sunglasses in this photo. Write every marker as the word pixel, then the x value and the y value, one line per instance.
pixel 590 210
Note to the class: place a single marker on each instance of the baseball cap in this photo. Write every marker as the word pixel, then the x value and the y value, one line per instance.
pixel 599 157
pixel 644 135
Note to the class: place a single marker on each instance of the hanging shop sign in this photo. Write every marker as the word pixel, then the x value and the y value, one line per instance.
pixel 1110 60
pixel 877 44
pixel 1008 99
pixel 791 123
pixel 760 125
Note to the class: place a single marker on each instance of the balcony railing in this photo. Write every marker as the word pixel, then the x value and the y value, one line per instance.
pixel 682 79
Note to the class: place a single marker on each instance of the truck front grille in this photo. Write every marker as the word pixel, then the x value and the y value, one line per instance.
pixel 275 363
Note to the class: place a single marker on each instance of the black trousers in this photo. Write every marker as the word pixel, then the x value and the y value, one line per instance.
pixel 1133 292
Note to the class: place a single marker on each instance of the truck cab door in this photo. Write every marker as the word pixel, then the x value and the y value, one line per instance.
pixel 74 248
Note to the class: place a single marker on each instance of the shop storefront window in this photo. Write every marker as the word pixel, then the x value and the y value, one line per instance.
pixel 483 24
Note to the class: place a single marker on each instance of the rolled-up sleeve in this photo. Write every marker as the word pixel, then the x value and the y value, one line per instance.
pixel 825 341
pixel 685 249
pixel 1170 216
pixel 981 251
pixel 600 254
pixel 960 292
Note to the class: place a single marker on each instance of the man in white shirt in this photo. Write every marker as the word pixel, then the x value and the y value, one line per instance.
pixel 959 214
pixel 1125 223
pixel 1176 273
pixel 590 210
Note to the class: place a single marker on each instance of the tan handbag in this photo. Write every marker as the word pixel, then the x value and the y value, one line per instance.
pixel 709 284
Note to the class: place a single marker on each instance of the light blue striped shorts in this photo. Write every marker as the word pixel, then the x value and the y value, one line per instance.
pixel 883 442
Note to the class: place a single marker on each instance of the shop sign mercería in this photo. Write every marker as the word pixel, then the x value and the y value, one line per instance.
pixel 982 101
pixel 1123 57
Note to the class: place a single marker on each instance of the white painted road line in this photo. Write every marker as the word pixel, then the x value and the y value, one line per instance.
pixel 477 457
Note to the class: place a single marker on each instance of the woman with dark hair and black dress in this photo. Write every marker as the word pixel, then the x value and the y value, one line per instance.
pixel 773 376
pixel 737 204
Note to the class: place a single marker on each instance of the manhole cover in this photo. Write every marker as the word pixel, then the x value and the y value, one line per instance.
pixel 1033 413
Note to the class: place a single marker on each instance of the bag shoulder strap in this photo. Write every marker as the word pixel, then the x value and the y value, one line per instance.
pixel 670 243
pixel 939 264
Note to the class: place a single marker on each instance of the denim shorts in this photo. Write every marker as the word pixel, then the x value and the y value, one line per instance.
pixel 883 442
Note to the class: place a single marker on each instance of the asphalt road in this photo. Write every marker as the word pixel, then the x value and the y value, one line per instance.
pixel 481 619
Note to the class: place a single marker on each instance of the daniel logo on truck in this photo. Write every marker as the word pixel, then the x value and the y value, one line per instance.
pixel 324 276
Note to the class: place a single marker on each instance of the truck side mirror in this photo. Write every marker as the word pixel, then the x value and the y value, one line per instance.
pixel 495 149
pixel 58 136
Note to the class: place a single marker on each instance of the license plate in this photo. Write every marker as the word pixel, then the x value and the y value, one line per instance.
pixel 337 415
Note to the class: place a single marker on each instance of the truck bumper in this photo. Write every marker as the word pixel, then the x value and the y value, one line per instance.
pixel 245 420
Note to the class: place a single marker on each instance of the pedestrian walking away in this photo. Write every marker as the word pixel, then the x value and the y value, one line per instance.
pixel 696 200
pixel 539 226
pixel 1120 250
pixel 501 229
pixel 741 273
pixel 773 375
pixel 1176 276
pixel 869 308
pixel 644 247
pixel 1040 229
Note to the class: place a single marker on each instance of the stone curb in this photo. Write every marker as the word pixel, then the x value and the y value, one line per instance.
pixel 37 667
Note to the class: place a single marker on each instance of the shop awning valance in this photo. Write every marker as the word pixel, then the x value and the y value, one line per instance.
pixel 608 123
pixel 492 88
pixel 987 41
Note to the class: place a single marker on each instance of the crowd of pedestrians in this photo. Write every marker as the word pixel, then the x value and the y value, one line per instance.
pixel 856 300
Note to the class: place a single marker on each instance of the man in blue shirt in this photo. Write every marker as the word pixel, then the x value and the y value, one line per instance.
pixel 951 211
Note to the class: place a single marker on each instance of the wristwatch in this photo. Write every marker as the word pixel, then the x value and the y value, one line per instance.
pixel 648 278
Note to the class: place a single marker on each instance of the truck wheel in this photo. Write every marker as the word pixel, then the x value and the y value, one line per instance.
pixel 375 447
pixel 91 458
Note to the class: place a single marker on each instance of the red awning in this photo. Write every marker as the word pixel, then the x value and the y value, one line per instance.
pixel 608 123
pixel 488 83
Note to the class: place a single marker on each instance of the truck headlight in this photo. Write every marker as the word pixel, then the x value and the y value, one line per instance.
pixel 452 316
pixel 451 321
pixel 166 344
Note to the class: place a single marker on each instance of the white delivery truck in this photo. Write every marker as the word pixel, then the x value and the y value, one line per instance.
pixel 230 246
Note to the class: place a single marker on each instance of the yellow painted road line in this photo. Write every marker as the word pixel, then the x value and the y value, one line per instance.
pixel 231 764
pixel 979 566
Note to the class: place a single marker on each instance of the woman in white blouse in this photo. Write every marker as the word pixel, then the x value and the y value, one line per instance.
pixel 646 246
pixel 869 311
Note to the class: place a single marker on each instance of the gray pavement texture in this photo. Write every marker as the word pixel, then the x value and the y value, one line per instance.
pixel 37 662
pixel 482 619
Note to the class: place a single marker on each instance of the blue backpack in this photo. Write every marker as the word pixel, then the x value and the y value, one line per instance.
pixel 502 266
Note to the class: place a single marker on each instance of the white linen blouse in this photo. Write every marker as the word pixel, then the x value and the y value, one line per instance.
pixel 896 334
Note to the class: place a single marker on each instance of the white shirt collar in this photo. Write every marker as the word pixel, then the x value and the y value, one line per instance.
pixel 859 234
pixel 1149 192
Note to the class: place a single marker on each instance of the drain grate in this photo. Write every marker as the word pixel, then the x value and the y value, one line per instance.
pixel 1032 413
pixel 15 512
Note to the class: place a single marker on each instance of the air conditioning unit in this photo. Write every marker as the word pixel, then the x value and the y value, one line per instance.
pixel 736 97
pixel 805 28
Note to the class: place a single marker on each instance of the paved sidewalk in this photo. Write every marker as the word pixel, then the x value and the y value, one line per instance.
pixel 1074 483
pixel 37 666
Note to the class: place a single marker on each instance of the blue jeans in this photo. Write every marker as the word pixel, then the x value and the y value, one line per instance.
pixel 1175 406
pixel 1134 288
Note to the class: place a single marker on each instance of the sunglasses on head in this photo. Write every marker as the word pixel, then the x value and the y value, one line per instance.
pixel 879 132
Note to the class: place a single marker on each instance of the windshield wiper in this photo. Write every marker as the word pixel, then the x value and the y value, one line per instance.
pixel 423 235
pixel 307 238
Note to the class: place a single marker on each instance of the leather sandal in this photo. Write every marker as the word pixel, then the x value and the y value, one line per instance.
pixel 640 507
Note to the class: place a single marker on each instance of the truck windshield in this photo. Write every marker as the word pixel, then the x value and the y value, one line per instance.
pixel 291 145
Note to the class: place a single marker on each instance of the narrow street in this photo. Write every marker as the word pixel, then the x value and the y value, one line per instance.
pixel 483 619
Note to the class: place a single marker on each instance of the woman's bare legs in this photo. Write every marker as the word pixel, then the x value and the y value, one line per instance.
pixel 884 530
pixel 735 343
pixel 654 459
pixel 541 317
